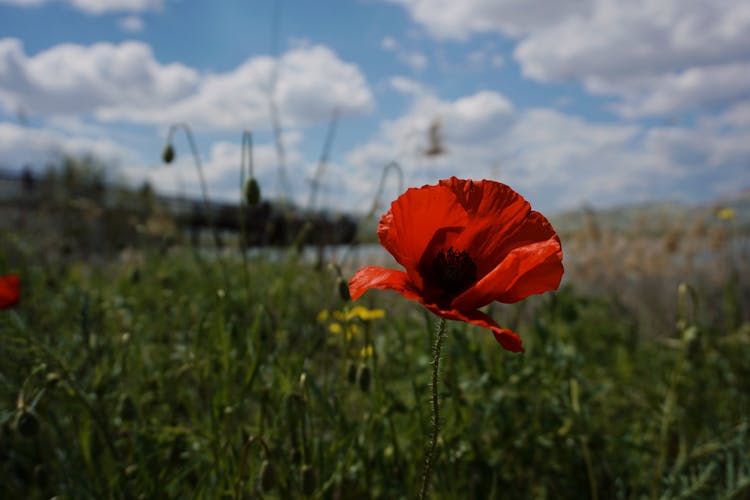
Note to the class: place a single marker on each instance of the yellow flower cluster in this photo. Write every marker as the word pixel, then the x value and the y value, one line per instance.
pixel 356 312
pixel 345 322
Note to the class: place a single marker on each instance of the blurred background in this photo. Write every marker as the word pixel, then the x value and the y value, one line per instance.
pixel 575 103
pixel 186 187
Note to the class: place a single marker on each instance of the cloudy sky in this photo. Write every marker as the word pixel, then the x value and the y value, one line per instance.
pixel 571 102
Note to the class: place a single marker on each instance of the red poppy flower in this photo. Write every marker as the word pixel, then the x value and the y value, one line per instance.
pixel 10 290
pixel 465 244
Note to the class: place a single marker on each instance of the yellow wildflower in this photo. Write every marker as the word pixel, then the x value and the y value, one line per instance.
pixel 366 351
pixel 364 313
pixel 725 213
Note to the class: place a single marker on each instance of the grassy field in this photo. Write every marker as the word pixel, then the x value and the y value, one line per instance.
pixel 164 372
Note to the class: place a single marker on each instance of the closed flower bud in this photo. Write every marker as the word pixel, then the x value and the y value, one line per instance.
pixel 363 378
pixel 308 480
pixel 53 378
pixel 252 191
pixel 296 455
pixel 351 373
pixel 167 154
pixel 267 476
pixel 27 423
pixel 343 287
pixel 41 475
pixel 126 408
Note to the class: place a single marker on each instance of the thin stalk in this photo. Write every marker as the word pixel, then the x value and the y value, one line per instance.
pixel 240 481
pixel 273 108
pixel 247 145
pixel 430 458
pixel 670 401
pixel 324 154
pixel 391 166
pixel 199 167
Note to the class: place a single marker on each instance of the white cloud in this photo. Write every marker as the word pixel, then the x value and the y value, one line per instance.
pixel 407 85
pixel 103 6
pixel 556 160
pixel 131 24
pixel 458 20
pixel 221 168
pixel 97 6
pixel 389 43
pixel 416 60
pixel 125 82
pixel 37 147
pixel 24 3
pixel 657 58
pixel 692 89
pixel 71 79
pixel 617 39
pixel 21 146
pixel 312 82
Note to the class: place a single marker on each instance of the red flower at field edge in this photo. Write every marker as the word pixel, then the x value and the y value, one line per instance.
pixel 10 290
pixel 464 244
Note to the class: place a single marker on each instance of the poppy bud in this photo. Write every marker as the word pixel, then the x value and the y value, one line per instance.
pixel 363 378
pixel 308 480
pixel 267 476
pixel 296 455
pixel 252 191
pixel 343 287
pixel 127 409
pixel 40 475
pixel 53 378
pixel 27 423
pixel 168 153
pixel 351 373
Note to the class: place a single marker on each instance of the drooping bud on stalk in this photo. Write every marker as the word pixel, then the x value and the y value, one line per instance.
pixel 351 373
pixel 296 455
pixel 363 378
pixel 27 423
pixel 267 476
pixel 308 480
pixel 52 379
pixel 168 153
pixel 343 287
pixel 126 408
pixel 252 191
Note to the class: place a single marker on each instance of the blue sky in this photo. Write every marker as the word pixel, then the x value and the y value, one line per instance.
pixel 571 102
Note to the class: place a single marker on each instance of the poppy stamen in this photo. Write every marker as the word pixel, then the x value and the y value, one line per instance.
pixel 454 270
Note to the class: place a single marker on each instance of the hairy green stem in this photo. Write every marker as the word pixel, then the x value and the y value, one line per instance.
pixel 430 458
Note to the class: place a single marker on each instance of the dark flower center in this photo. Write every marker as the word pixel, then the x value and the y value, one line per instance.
pixel 454 270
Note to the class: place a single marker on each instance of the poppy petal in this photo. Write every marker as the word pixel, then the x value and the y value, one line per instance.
pixel 500 214
pixel 384 279
pixel 10 290
pixel 414 220
pixel 509 339
pixel 540 279
pixel 525 270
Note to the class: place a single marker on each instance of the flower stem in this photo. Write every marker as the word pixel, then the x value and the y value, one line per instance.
pixel 430 458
